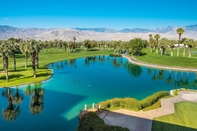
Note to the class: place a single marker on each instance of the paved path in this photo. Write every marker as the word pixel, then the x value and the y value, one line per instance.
pixel 142 121
pixel 134 61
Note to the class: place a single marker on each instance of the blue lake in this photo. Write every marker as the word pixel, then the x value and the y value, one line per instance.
pixel 55 103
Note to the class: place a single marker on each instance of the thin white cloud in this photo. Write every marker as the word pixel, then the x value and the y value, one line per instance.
pixel 5 19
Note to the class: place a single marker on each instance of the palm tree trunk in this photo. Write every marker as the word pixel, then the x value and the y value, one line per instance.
pixel 184 52
pixel 171 52
pixel 33 63
pixel 189 52
pixel 177 51
pixel 37 60
pixel 5 61
pixel 26 55
pixel 179 40
pixel 14 59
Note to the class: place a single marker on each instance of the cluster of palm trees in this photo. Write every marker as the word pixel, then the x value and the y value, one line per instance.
pixel 155 43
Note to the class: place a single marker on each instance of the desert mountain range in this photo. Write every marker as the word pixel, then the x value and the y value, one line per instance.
pixel 94 33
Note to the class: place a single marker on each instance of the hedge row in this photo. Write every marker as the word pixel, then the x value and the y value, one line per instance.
pixel 91 122
pixel 150 100
pixel 132 103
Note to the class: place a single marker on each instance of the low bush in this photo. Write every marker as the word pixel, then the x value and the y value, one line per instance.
pixel 115 55
pixel 133 104
pixel 91 122
pixel 150 100
pixel 117 103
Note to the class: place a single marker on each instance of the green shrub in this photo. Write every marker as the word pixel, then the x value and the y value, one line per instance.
pixel 117 103
pixel 115 55
pixel 150 100
pixel 91 122
pixel 133 104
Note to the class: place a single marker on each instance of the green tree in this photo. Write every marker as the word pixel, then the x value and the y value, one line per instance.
pixel 5 51
pixel 179 31
pixel 32 50
pixel 135 46
pixel 157 36
pixel 25 48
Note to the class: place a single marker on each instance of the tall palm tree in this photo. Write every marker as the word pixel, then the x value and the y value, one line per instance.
pixel 179 31
pixel 32 50
pixel 157 36
pixel 171 44
pixel 191 43
pixel 74 39
pixel 13 47
pixel 185 42
pixel 24 48
pixel 38 47
pixel 5 52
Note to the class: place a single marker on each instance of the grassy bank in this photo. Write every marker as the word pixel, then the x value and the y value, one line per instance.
pixel 25 76
pixel 184 119
pixel 177 61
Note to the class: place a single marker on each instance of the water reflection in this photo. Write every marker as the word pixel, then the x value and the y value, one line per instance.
pixel 13 110
pixel 36 92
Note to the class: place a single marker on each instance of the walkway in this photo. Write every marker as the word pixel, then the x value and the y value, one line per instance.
pixel 142 121
pixel 134 61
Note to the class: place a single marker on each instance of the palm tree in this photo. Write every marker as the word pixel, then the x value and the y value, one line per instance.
pixel 191 43
pixel 5 51
pixel 14 48
pixel 185 42
pixel 157 36
pixel 24 48
pixel 38 47
pixel 179 31
pixel 32 49
pixel 171 44
pixel 74 39
pixel 162 44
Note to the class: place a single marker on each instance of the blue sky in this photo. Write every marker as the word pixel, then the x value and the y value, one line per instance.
pixel 115 14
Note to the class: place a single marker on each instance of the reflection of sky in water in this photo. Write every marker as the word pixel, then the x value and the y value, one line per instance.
pixel 86 81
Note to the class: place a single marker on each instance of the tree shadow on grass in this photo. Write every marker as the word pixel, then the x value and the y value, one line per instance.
pixel 11 76
pixel 18 70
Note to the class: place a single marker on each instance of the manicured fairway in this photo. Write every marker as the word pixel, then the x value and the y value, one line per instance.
pixel 166 59
pixel 183 120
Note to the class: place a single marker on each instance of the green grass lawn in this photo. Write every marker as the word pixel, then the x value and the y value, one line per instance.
pixel 184 119
pixel 166 59
pixel 25 76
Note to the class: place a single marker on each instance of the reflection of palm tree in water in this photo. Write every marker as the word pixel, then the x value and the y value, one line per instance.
pixel 149 71
pixel 134 70
pixel 160 75
pixel 169 79
pixel 37 96
pixel 154 76
pixel 12 111
pixel 194 83
pixel 186 82
pixel 101 58
pixel 117 63
pixel 175 82
pixel 181 83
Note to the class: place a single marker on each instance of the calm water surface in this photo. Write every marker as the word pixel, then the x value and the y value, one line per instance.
pixel 55 103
